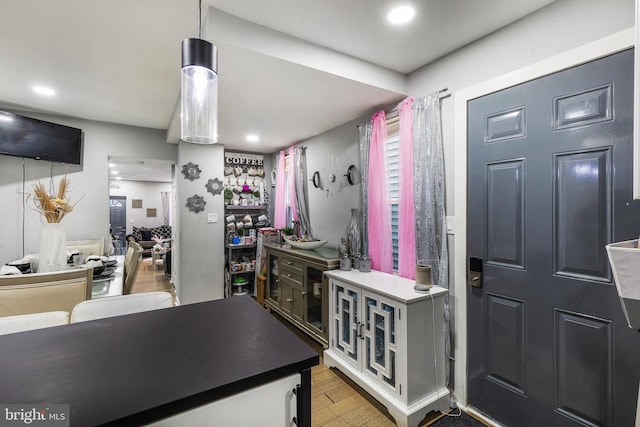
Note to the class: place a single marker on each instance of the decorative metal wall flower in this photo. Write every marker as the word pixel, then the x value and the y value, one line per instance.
pixel 191 171
pixel 214 186
pixel 196 203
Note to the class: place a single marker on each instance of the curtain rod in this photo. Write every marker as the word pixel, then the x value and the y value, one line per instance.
pixel 443 93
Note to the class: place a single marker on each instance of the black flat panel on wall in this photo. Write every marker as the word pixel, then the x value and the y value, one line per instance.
pixel 505 351
pixel 584 368
pixel 505 213
pixel 582 226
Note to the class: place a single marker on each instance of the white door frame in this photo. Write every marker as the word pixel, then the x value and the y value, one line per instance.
pixel 588 52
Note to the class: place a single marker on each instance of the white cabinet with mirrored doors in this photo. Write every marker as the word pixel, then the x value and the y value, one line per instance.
pixel 390 340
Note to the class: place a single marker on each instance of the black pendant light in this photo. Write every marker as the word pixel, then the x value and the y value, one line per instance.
pixel 199 89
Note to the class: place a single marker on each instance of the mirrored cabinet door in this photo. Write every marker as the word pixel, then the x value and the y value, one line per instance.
pixel 346 324
pixel 380 339
pixel 274 278
pixel 314 313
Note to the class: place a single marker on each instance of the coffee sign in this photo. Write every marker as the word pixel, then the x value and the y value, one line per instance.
pixel 240 163
pixel 242 159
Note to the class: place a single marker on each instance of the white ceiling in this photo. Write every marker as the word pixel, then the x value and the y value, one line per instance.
pixel 288 69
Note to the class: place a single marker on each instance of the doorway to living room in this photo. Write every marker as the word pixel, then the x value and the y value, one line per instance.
pixel 141 199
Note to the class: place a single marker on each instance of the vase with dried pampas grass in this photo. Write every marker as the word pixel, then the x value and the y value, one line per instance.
pixel 53 205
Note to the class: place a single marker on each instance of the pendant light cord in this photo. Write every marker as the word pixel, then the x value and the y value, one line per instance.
pixel 24 201
pixel 199 19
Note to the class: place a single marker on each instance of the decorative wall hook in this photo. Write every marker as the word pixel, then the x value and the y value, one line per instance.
pixel 317 183
pixel 353 175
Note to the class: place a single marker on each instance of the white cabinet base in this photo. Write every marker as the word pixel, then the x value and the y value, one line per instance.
pixel 272 404
pixel 405 416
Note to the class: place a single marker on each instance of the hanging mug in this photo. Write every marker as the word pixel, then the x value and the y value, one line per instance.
pixel 252 171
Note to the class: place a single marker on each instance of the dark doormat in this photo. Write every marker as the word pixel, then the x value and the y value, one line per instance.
pixel 463 420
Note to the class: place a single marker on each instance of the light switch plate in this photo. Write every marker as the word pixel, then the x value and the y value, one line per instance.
pixel 450 224
pixel 212 217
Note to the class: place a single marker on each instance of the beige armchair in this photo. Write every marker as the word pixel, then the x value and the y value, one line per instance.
pixel 132 261
pixel 29 322
pixel 87 247
pixel 40 292
pixel 121 305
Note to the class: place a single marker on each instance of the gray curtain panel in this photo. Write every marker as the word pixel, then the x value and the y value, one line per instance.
pixel 429 189
pixel 300 178
pixel 365 140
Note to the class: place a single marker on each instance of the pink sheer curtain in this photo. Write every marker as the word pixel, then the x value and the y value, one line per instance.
pixel 291 183
pixel 379 223
pixel 280 213
pixel 406 215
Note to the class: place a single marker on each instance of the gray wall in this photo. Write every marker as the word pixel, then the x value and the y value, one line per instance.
pixel 560 27
pixel 201 244
pixel 89 182
pixel 330 206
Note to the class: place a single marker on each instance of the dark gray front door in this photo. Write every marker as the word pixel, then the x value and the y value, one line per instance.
pixel 549 185
pixel 118 219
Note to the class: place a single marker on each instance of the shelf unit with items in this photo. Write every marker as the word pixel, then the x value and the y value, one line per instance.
pixel 242 225
pixel 239 275
pixel 389 339
pixel 296 286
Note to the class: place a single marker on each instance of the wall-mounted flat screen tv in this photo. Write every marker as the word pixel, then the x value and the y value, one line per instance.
pixel 37 139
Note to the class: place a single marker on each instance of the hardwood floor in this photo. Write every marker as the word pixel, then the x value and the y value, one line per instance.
pixel 150 279
pixel 336 400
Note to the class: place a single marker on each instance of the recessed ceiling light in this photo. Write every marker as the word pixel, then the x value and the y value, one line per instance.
pixel 118 178
pixel 401 14
pixel 42 90
pixel 111 165
pixel 115 172
pixel 252 138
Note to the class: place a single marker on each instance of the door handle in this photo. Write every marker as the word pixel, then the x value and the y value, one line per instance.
pixel 474 276
pixel 360 330
pixel 297 392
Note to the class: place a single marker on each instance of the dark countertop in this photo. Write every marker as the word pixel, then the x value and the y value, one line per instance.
pixel 142 367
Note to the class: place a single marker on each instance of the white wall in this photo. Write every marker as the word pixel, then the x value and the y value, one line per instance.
pixel 149 193
pixel 89 182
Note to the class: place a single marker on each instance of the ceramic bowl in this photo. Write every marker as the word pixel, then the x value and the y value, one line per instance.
pixel 305 245
pixel 22 266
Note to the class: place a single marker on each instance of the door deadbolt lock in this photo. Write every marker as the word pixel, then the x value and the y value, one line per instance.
pixel 474 275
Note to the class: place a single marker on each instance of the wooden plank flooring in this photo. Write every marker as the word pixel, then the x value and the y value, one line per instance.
pixel 336 400
pixel 152 279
